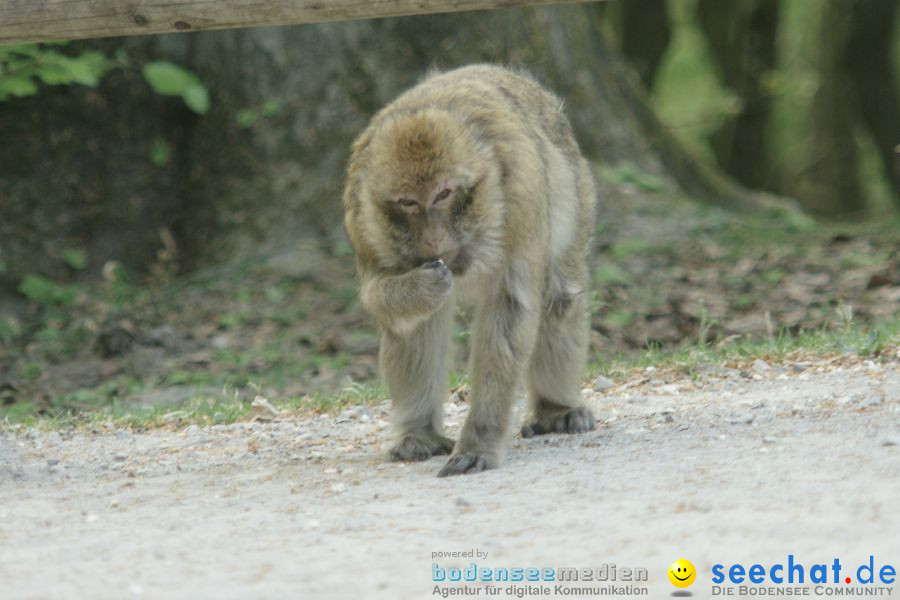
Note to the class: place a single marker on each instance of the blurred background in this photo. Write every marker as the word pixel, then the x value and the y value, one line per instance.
pixel 170 219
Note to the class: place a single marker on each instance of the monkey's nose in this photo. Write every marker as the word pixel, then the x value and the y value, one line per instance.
pixel 435 244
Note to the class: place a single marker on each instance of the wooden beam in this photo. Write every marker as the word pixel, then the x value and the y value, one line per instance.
pixel 23 21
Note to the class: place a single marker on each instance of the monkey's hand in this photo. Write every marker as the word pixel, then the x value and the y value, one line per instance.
pixel 400 302
pixel 433 280
pixel 466 463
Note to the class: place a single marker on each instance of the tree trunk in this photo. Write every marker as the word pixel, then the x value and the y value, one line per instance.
pixel 265 165
pixel 868 62
pixel 830 186
pixel 742 36
pixel 645 36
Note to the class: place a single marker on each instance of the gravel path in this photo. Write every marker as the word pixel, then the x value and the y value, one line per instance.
pixel 732 466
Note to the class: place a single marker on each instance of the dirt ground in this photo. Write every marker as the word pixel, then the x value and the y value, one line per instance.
pixel 745 464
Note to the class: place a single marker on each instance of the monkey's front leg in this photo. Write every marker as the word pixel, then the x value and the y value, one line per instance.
pixel 502 341
pixel 416 314
pixel 415 367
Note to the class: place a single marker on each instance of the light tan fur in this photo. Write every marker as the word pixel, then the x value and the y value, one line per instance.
pixel 471 183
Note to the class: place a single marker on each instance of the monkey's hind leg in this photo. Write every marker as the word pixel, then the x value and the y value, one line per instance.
pixel 556 367
pixel 415 367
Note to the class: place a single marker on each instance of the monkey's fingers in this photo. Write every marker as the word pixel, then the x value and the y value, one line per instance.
pixel 575 420
pixel 464 464
pixel 420 446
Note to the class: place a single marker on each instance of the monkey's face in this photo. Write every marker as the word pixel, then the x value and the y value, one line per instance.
pixel 431 188
pixel 428 223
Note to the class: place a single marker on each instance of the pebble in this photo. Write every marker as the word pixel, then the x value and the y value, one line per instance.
pixel 761 366
pixel 460 501
pixel 741 419
pixel 602 384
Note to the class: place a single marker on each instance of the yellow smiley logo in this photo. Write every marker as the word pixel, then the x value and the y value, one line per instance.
pixel 682 573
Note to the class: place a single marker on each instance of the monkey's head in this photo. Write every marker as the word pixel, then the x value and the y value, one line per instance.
pixel 421 187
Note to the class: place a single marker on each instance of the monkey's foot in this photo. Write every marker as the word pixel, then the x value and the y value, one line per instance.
pixel 560 420
pixel 466 464
pixel 421 446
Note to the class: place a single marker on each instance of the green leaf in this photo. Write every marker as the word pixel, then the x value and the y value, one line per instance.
pixel 17 86
pixel 160 153
pixel 77 259
pixel 171 80
pixel 271 107
pixel 168 79
pixel 21 65
pixel 245 118
pixel 45 292
pixel 87 68
pixel 197 98
pixel 7 330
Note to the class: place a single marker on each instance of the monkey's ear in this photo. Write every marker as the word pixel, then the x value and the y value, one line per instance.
pixel 361 144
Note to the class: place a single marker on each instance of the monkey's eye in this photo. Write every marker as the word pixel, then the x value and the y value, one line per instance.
pixel 408 204
pixel 442 195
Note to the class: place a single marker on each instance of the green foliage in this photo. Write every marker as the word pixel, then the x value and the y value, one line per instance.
pixel 628 174
pixel 160 153
pixel 77 259
pixel 610 274
pixel 687 94
pixel 247 117
pixel 45 292
pixel 7 330
pixel 23 67
pixel 171 80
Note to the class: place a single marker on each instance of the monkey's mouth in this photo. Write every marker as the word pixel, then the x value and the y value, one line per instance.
pixel 459 263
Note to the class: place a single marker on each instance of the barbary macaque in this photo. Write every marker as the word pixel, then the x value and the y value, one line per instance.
pixel 471 185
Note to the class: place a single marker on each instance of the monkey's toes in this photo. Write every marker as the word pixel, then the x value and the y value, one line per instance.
pixel 420 446
pixel 465 464
pixel 575 420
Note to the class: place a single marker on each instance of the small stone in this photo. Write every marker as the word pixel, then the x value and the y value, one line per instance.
pixel 602 384
pixel 761 366
pixel 741 419
pixel 114 503
pixel 889 442
pixel 52 462
pixel 870 400
pixel 192 430
pixel 460 501
pixel 338 487
pixel 262 409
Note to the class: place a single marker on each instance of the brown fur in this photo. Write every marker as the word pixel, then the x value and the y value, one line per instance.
pixel 471 184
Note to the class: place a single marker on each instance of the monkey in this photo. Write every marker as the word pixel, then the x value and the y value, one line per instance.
pixel 470 187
